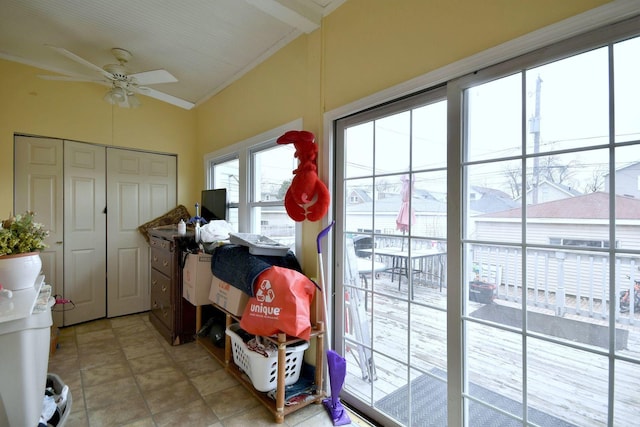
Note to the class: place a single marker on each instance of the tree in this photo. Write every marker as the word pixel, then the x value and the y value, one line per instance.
pixel 550 169
pixel 513 173
pixel 596 181
pixel 283 189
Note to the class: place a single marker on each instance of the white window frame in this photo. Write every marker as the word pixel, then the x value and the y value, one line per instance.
pixel 243 150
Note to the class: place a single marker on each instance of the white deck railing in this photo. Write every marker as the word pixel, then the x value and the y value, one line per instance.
pixel 565 281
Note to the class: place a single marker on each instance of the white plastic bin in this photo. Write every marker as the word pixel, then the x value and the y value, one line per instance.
pixel 24 356
pixel 263 371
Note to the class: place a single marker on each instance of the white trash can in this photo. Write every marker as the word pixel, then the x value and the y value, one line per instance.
pixel 24 358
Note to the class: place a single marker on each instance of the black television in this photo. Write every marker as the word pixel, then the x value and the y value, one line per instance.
pixel 213 205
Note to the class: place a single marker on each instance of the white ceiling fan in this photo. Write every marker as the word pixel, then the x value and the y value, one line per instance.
pixel 123 85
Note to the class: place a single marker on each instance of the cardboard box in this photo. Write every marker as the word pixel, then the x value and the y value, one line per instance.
pixel 228 297
pixel 196 279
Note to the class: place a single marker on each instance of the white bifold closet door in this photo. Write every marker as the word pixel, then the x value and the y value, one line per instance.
pixel 140 186
pixel 93 198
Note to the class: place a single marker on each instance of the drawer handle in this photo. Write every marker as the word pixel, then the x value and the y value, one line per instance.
pixel 154 282
pixel 155 258
pixel 164 289
pixel 155 304
pixel 165 313
pixel 165 263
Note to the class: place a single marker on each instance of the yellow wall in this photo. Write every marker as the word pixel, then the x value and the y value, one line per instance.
pixel 76 111
pixel 363 47
pixel 371 45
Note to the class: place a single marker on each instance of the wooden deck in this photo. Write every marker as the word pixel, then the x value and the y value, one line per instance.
pixel 566 382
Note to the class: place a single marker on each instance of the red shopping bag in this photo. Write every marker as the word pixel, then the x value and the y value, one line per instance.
pixel 282 303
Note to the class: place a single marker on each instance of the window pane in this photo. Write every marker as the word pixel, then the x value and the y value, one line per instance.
pixel 563 176
pixel 568 203
pixel 274 222
pixel 233 218
pixel 494 119
pixel 358 146
pixel 227 175
pixel 358 205
pixel 429 145
pixel 581 403
pixel 573 99
pixel 500 387
pixel 272 169
pixel 494 274
pixel 626 68
pixel 392 146
pixel 626 409
pixel 627 178
pixel 492 197
pixel 429 201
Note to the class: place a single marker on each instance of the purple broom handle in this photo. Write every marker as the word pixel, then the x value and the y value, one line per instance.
pixel 322 234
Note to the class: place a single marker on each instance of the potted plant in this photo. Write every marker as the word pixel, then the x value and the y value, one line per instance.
pixel 21 239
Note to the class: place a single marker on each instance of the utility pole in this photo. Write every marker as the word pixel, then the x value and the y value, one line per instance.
pixel 534 128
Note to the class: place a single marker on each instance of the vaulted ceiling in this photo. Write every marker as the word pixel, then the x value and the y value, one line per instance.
pixel 204 44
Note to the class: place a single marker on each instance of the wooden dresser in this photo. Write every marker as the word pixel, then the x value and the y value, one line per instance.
pixel 173 316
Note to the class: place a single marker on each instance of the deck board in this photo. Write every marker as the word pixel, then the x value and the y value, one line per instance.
pixel 567 383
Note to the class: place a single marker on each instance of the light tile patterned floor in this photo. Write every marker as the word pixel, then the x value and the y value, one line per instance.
pixel 121 372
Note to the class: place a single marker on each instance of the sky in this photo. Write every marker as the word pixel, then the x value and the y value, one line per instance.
pixel 573 115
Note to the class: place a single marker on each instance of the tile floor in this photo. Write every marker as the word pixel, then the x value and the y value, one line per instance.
pixel 121 372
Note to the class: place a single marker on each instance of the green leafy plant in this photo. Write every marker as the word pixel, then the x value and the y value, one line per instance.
pixel 21 234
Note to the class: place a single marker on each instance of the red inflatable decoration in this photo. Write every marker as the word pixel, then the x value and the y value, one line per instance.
pixel 307 197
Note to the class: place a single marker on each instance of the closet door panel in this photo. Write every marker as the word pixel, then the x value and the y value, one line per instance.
pixel 38 187
pixel 140 187
pixel 85 231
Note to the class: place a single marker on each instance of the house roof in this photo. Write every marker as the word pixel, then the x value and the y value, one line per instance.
pixel 492 200
pixel 363 195
pixel 572 192
pixel 587 206
pixel 392 204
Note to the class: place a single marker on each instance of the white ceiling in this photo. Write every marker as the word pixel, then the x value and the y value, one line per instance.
pixel 205 44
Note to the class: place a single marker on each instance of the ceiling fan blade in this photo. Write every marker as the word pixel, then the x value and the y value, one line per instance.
pixel 80 60
pixel 164 97
pixel 153 77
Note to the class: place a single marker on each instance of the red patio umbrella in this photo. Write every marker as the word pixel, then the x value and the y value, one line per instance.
pixel 406 215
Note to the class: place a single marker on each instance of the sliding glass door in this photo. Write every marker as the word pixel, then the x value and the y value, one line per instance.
pixel 488 244
pixel 560 141
pixel 392 244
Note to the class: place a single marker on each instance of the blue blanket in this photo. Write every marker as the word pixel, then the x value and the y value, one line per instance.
pixel 236 266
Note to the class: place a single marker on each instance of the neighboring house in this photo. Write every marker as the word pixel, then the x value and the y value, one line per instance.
pixel 580 219
pixel 270 197
pixel 578 222
pixel 358 196
pixel 487 200
pixel 627 180
pixel 549 191
pixel 431 216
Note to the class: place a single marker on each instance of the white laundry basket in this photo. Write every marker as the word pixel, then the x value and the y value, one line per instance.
pixel 263 371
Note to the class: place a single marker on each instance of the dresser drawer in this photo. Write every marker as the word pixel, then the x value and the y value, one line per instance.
pixel 160 243
pixel 161 297
pixel 162 260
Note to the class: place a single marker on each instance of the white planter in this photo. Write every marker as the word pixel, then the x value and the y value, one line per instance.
pixel 19 271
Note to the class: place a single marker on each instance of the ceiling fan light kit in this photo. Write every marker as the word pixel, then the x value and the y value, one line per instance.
pixel 124 86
